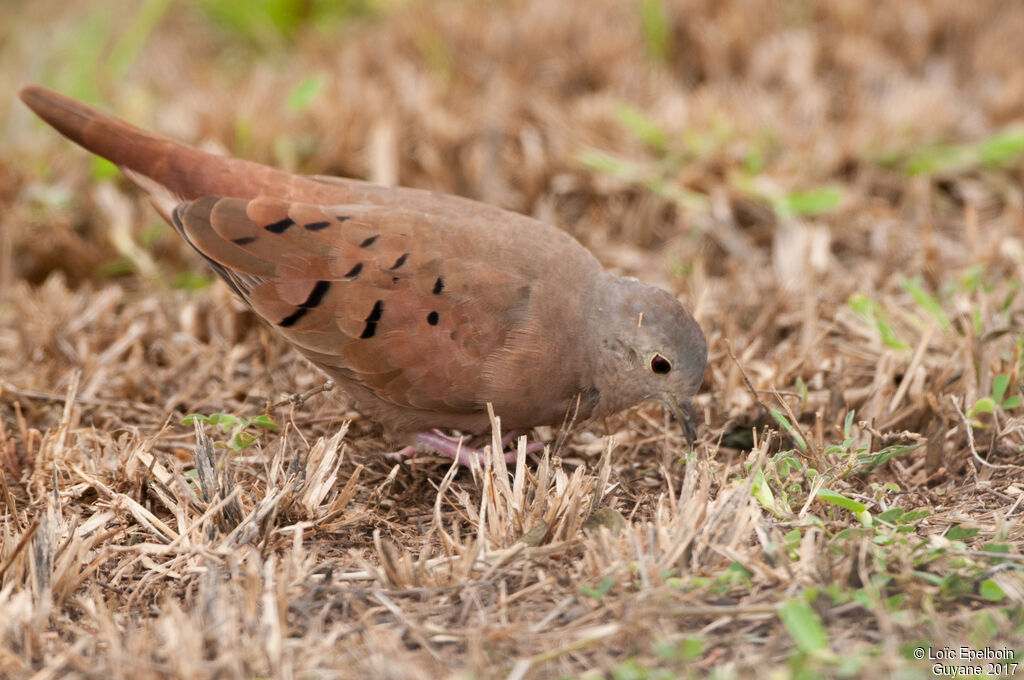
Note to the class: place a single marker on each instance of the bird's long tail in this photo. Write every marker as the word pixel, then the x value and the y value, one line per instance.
pixel 155 162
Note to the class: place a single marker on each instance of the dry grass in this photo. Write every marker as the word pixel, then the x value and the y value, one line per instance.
pixel 134 546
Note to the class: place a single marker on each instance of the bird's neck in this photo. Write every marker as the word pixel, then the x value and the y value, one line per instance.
pixel 607 360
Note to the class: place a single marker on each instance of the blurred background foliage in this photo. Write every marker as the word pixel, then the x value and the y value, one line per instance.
pixel 625 123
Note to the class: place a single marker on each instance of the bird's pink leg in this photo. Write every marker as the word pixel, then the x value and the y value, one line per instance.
pixel 516 434
pixel 510 437
pixel 450 447
pixel 437 441
pixel 401 454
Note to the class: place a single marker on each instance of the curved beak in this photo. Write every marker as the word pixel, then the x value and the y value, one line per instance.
pixel 682 411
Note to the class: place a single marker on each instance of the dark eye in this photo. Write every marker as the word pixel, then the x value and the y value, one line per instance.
pixel 660 364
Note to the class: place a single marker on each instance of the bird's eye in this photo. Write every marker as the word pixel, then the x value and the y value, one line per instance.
pixel 660 364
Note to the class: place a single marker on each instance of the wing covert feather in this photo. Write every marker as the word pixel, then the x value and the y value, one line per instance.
pixel 388 295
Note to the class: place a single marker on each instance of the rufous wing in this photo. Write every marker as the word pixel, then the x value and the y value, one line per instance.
pixel 380 296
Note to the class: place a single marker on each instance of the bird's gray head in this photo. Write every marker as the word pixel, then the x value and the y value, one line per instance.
pixel 650 347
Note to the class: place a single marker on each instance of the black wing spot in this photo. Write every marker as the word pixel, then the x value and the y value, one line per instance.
pixel 367 242
pixel 293 317
pixel 438 286
pixel 432 318
pixel 378 309
pixel 280 226
pixel 342 218
pixel 244 240
pixel 394 279
pixel 399 262
pixel 316 296
pixel 371 321
pixel 354 272
pixel 317 226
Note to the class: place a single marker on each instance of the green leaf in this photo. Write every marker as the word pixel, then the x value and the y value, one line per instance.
pixel 960 532
pixel 790 430
pixel 262 22
pixel 1011 403
pixel 842 501
pixel 753 163
pixel 151 234
pixel 264 421
pixel 630 669
pixel 601 590
pixel 997 548
pixel 657 30
pixel 926 301
pixel 892 515
pixel 848 425
pixel 868 309
pixel 935 159
pixel 687 649
pixel 691 648
pixel 242 440
pixel 928 577
pixel 983 405
pixel 999 385
pixel 915 515
pixel 889 336
pixel 307 90
pixel 194 418
pixel 119 266
pixel 801 388
pixel 223 420
pixel 814 202
pixel 954 585
pixel 786 463
pixel 870 461
pixel 645 129
pixel 607 164
pixel 762 491
pixel 803 625
pixel 973 279
pixel 990 590
pixel 189 280
pixel 1002 148
pixel 895 602
pixel 863 306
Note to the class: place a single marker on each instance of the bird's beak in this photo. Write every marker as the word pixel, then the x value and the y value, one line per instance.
pixel 682 411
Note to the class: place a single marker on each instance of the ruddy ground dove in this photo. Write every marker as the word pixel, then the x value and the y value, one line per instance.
pixel 424 307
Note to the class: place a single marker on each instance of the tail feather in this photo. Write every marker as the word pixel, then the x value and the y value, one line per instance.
pixel 183 171
pixel 73 119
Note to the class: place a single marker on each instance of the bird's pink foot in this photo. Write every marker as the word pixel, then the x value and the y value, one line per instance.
pixel 456 447
pixel 401 454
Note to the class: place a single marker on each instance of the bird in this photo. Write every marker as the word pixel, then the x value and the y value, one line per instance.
pixel 424 307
